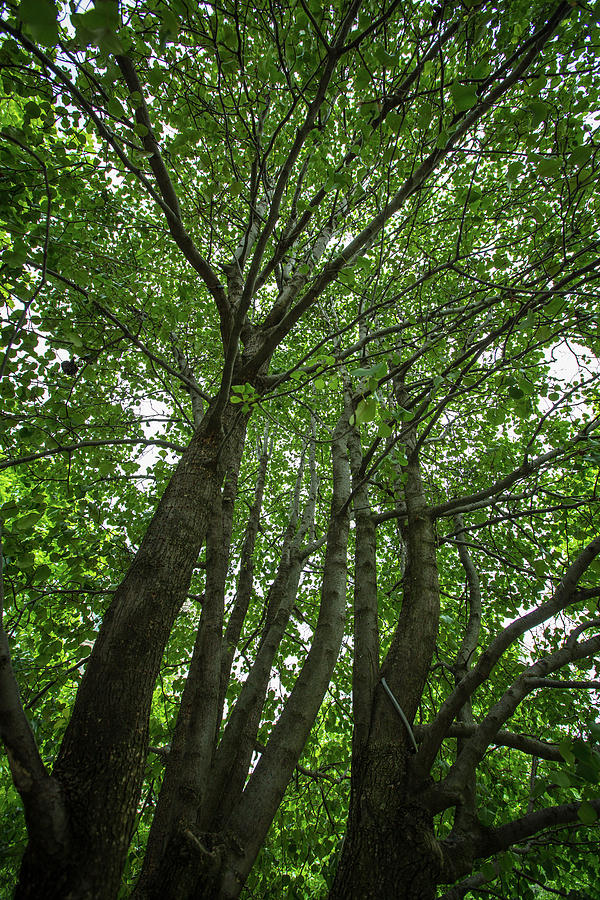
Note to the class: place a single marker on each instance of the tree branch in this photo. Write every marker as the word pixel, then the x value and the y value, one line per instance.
pixel 45 812
pixel 494 840
pixel 476 745
pixel 171 206
pixel 363 240
pixel 262 795
pixel 465 504
pixel 522 742
pixel 564 594
pixel 83 445
pixel 176 227
pixel 285 171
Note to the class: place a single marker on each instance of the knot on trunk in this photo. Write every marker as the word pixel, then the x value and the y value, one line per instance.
pixel 207 849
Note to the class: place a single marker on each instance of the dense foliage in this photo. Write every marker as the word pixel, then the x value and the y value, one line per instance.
pixel 328 272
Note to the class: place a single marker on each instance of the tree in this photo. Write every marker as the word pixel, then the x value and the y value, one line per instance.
pixel 301 460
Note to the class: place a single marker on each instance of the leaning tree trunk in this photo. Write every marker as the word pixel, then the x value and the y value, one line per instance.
pixel 100 765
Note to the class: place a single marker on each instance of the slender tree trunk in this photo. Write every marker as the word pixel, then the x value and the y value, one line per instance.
pixel 249 822
pixel 101 761
pixel 390 850
pixel 217 855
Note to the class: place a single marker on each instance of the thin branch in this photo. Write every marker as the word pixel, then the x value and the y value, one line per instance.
pixel 176 227
pixel 523 471
pixel 45 813
pixel 171 206
pixel 565 684
pixel 484 735
pixel 360 244
pixel 83 445
pixel 285 171
pixel 190 384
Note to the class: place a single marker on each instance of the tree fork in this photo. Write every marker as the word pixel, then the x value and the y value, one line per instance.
pixel 101 760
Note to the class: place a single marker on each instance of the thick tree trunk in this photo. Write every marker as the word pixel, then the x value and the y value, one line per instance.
pixel 389 852
pixel 101 761
pixel 188 764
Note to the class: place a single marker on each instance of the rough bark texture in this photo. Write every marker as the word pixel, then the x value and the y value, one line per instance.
pixel 188 763
pixel 389 852
pixel 101 761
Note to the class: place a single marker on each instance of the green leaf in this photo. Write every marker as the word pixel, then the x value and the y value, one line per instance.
pixel 488 870
pixel 365 411
pixel 594 729
pixel 33 110
pixel 586 813
pixel 171 24
pixel 39 19
pixel 115 108
pixel 71 338
pixel 401 457
pixel 8 509
pixel 464 96
pixel 541 786
pixel 538 110
pixel 103 15
pixel 110 43
pixel 580 156
pixel 547 168
pixel 562 779
pixel 383 57
pixel 42 573
pixel 25 560
pixel 424 116
pixel 513 172
pixel 565 748
pixel 539 216
pixel 506 862
pixel 26 523
pixel 16 257
pixel 99 26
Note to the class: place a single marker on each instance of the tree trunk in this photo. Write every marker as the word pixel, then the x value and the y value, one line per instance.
pixel 389 852
pixel 210 858
pixel 188 764
pixel 101 761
